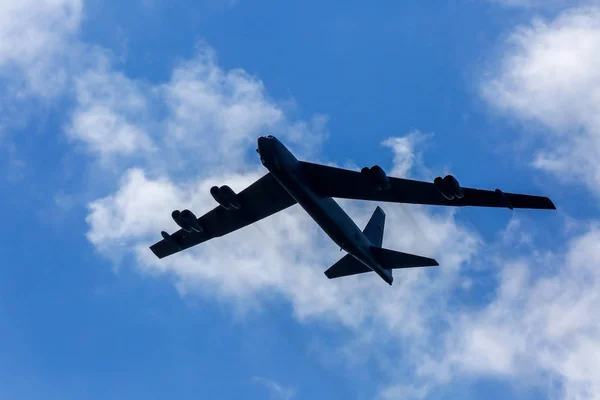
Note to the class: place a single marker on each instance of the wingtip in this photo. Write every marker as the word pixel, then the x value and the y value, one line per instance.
pixel 153 250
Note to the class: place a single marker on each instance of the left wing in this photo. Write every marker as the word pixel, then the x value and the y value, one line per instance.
pixel 347 184
pixel 263 198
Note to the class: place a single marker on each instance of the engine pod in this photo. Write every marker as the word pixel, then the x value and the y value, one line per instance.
pixel 191 220
pixel 226 197
pixel 453 186
pixel 440 185
pixel 169 239
pixel 230 197
pixel 377 177
pixel 176 215
pixel 380 178
pixel 217 195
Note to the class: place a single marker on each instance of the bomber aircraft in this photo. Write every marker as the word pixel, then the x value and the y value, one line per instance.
pixel 313 186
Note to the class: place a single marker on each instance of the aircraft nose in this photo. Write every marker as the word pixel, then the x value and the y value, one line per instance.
pixel 260 145
pixel 264 142
pixel 263 149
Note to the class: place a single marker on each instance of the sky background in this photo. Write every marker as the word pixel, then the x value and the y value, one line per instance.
pixel 112 114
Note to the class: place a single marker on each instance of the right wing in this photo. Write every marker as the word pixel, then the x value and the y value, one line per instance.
pixel 263 198
pixel 343 183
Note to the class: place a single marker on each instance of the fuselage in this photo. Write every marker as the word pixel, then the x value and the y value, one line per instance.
pixel 325 211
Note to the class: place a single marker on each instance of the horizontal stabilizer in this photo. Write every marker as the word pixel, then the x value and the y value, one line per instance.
pixel 348 265
pixel 390 259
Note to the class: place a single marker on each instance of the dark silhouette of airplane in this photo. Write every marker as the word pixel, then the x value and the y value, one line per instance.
pixel 313 186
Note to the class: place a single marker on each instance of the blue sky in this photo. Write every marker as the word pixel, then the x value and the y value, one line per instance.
pixel 112 115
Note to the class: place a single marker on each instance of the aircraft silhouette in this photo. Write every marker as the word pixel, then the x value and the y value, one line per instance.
pixel 313 186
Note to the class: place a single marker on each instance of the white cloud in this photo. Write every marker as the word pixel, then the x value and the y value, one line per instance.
pixel 405 150
pixel 529 4
pixel 276 391
pixel 539 325
pixel 112 114
pixel 548 75
pixel 203 116
pixel 35 40
pixel 217 113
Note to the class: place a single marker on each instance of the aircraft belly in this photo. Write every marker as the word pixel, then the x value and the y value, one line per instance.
pixel 332 219
pixel 324 211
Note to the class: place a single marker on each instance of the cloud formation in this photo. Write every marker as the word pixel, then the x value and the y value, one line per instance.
pixel 203 116
pixel 548 75
pixel 276 391
pixel 36 41
pixel 112 114
pixel 540 322
pixel 534 4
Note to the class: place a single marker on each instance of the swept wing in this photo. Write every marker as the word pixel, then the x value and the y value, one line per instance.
pixel 263 198
pixel 347 184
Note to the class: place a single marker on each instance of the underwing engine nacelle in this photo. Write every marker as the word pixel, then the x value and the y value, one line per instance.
pixel 186 221
pixel 377 177
pixel 176 215
pixel 226 197
pixel 449 187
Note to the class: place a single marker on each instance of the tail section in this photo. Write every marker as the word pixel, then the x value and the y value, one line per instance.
pixel 386 260
pixel 348 265
pixel 390 259
pixel 374 229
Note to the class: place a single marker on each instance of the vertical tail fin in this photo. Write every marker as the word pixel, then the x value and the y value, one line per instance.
pixel 374 229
